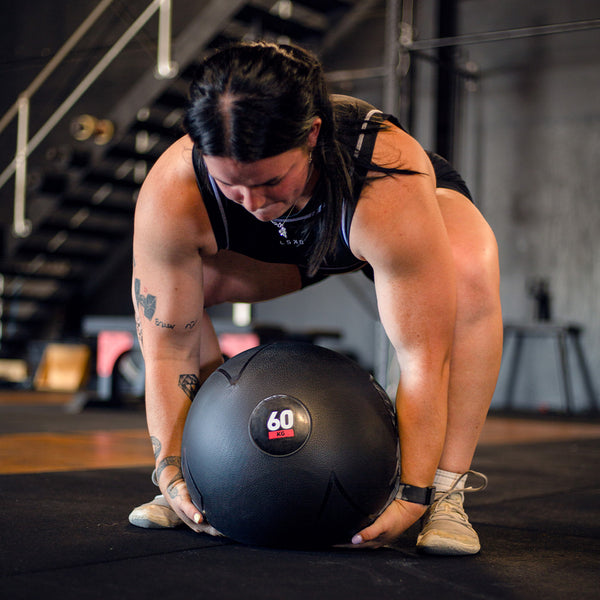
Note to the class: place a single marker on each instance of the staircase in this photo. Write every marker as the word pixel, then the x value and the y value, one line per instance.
pixel 82 208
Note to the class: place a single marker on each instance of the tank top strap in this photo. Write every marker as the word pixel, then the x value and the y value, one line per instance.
pixel 362 153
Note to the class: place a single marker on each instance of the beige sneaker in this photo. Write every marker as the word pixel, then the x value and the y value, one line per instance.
pixel 156 514
pixel 446 528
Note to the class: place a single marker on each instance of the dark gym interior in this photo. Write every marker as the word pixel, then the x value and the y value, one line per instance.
pixel 94 91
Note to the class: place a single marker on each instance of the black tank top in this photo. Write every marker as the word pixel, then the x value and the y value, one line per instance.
pixel 289 240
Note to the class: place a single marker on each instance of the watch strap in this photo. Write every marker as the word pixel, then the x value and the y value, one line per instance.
pixel 417 495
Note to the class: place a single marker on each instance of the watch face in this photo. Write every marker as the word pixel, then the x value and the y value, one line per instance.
pixel 280 425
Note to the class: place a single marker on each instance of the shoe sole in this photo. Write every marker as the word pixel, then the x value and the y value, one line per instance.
pixel 147 524
pixel 447 548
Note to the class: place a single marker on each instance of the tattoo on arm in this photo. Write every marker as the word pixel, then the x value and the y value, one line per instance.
pixel 163 324
pixel 190 384
pixel 147 302
pixel 169 461
pixel 156 446
pixel 138 328
pixel 172 487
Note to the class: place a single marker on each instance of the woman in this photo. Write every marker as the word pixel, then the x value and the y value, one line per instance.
pixel 276 186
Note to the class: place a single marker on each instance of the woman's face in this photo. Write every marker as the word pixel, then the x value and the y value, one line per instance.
pixel 270 187
pixel 267 188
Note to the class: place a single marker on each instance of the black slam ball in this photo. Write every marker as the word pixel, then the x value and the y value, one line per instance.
pixel 291 445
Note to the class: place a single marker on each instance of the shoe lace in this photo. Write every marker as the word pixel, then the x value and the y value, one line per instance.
pixel 450 502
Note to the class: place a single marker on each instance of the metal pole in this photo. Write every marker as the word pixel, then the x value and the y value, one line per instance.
pixel 356 74
pixel 1 308
pixel 165 69
pixel 392 48
pixel 446 93
pixel 407 67
pixel 506 34
pixel 21 226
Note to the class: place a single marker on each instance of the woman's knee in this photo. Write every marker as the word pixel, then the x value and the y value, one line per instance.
pixel 477 275
pixel 475 254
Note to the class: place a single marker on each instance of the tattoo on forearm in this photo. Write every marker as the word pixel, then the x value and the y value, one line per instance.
pixel 172 487
pixel 156 446
pixel 191 324
pixel 190 384
pixel 147 302
pixel 169 461
pixel 163 324
pixel 138 328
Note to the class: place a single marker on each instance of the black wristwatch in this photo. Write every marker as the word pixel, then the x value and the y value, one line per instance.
pixel 418 495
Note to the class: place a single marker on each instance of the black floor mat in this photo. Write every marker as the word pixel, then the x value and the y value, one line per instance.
pixel 66 535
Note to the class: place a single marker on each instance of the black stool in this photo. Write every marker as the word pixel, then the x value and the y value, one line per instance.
pixel 562 333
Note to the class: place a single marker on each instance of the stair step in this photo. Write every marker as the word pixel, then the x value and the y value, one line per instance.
pixel 58 297
pixel 50 183
pixel 24 314
pixel 129 149
pixel 101 177
pixel 83 255
pixel 172 98
pixel 86 221
pixel 251 15
pixel 163 118
pixel 325 6
pixel 52 240
pixel 94 234
pixel 66 157
pixel 113 204
pixel 49 274
pixel 220 40
pixel 157 128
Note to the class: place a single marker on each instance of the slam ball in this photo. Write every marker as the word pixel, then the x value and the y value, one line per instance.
pixel 290 445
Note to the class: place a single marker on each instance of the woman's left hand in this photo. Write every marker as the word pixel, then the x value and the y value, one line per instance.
pixel 394 520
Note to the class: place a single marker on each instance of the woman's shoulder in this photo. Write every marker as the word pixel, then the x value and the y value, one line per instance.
pixel 176 161
pixel 170 203
pixel 172 175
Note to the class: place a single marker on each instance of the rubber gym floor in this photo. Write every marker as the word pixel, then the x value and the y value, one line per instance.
pixel 69 480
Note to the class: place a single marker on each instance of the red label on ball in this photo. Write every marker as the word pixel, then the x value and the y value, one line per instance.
pixel 281 433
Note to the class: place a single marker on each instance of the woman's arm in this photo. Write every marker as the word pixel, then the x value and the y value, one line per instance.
pixel 171 233
pixel 399 230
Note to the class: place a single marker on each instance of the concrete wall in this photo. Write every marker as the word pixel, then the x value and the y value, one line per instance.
pixel 529 145
pixel 534 131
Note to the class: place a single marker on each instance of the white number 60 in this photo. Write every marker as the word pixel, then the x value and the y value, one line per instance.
pixel 284 421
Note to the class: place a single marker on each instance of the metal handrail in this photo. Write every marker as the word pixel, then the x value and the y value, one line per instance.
pixel 165 69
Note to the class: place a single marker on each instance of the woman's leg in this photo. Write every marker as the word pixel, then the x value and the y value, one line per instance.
pixel 474 367
pixel 477 349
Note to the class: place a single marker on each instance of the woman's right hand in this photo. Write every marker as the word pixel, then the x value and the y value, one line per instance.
pixel 169 477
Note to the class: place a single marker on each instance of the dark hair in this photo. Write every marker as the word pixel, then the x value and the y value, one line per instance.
pixel 255 100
